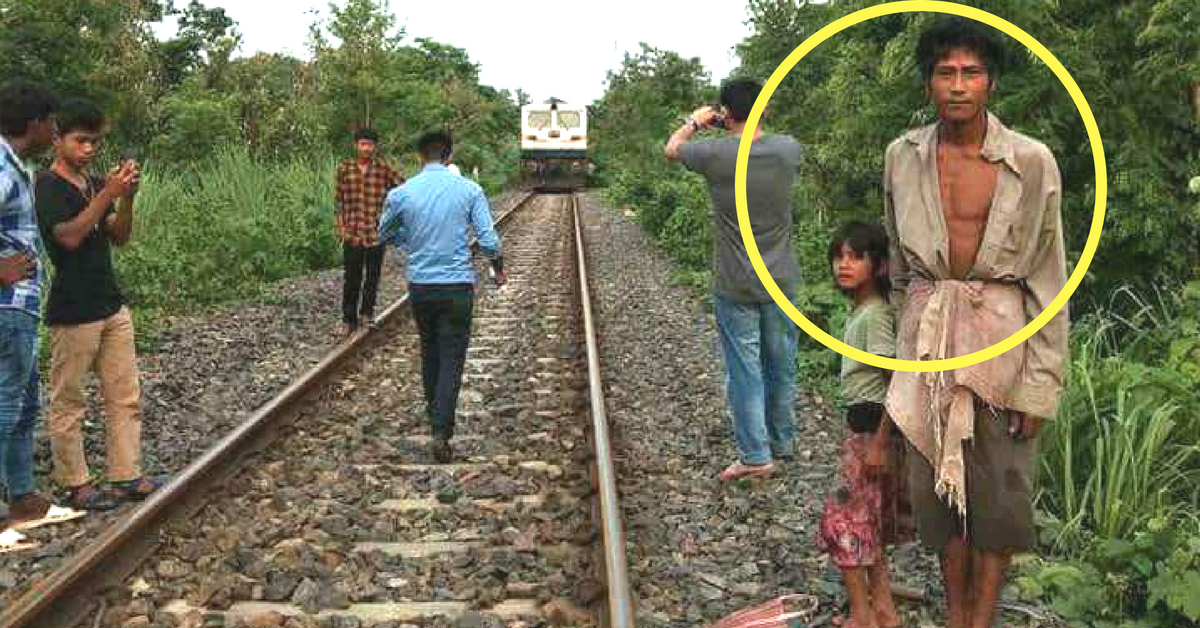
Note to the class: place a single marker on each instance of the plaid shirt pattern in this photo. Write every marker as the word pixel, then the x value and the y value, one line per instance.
pixel 19 232
pixel 360 200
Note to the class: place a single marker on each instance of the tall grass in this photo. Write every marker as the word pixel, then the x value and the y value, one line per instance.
pixel 220 229
pixel 1123 449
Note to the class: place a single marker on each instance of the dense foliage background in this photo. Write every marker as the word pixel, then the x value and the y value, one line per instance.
pixel 239 151
pixel 1120 467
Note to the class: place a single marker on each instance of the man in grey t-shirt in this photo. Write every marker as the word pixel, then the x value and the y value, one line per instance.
pixel 758 340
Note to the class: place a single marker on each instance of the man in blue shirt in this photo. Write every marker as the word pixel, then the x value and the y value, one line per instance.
pixel 26 129
pixel 430 218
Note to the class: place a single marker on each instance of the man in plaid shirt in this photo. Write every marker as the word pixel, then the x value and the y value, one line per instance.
pixel 26 129
pixel 362 184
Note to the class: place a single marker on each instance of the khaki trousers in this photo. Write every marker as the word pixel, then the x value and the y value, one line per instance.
pixel 75 350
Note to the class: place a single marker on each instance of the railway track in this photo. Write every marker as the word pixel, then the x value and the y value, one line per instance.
pixel 323 509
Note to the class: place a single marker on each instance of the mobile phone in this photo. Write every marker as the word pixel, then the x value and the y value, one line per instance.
pixel 130 155
pixel 718 120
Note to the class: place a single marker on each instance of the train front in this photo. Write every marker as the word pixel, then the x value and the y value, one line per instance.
pixel 554 153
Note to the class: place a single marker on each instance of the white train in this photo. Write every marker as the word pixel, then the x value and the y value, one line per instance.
pixel 554 149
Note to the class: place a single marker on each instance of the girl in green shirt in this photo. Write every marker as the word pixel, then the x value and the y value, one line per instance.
pixel 867 511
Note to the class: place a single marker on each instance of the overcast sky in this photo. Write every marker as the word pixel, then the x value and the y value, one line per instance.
pixel 561 49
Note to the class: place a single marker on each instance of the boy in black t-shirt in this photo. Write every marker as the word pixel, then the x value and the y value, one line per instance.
pixel 90 328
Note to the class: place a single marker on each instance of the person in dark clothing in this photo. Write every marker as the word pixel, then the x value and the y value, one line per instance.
pixel 431 217
pixel 362 183
pixel 81 214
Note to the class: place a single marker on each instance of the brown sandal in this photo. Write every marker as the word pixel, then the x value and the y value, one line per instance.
pixel 33 511
pixel 738 470
pixel 137 489
pixel 87 497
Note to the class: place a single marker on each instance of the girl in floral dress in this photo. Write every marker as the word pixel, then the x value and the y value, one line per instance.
pixel 867 510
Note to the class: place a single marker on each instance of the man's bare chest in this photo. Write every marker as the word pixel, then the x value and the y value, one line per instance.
pixel 967 186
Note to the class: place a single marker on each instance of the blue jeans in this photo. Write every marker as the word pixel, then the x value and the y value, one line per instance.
pixel 20 401
pixel 758 344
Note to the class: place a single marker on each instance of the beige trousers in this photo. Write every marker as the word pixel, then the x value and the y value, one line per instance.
pixel 105 346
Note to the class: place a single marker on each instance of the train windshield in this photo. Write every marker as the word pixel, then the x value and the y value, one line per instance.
pixel 568 119
pixel 539 119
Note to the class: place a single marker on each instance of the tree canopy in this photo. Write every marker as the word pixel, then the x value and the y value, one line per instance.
pixel 187 97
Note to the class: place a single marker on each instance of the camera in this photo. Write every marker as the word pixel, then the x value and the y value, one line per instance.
pixel 718 122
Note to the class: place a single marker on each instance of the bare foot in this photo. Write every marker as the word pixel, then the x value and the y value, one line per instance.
pixel 886 614
pixel 883 606
pixel 852 622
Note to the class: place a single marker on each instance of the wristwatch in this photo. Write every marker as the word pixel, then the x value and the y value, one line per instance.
pixel 695 125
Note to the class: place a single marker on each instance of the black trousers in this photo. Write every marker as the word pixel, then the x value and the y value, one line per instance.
pixel 356 259
pixel 445 328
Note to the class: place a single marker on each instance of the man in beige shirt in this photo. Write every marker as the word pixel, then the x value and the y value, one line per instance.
pixel 972 211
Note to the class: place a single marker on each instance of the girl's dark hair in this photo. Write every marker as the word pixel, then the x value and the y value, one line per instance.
pixel 366 133
pixel 955 32
pixel 867 238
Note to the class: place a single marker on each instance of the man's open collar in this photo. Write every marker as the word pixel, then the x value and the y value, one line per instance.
pixel 997 145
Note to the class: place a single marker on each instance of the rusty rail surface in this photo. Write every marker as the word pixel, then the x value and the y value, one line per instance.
pixel 63 598
pixel 620 598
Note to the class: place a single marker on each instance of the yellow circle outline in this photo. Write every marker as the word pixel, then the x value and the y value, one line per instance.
pixel 921 366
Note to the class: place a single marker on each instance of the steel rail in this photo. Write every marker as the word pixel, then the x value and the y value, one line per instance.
pixel 620 598
pixel 105 562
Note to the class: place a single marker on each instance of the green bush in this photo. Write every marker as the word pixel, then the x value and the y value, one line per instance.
pixel 196 125
pixel 225 227
pixel 1147 579
pixel 673 209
